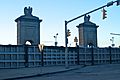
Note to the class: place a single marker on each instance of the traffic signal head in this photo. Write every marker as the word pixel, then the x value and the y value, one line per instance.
pixel 118 2
pixel 104 13
pixel 68 33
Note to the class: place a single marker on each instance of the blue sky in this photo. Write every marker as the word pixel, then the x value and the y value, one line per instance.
pixel 54 13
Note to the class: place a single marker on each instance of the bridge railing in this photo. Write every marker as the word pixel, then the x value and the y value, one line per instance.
pixel 14 56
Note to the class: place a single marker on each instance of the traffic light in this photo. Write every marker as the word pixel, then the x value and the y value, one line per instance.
pixel 118 2
pixel 104 13
pixel 68 33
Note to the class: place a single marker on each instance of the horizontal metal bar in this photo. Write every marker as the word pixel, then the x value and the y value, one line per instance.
pixel 88 13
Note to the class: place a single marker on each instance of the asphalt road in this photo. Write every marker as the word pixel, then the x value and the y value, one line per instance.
pixel 99 72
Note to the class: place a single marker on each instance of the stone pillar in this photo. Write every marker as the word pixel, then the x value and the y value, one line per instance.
pixel 87 33
pixel 28 28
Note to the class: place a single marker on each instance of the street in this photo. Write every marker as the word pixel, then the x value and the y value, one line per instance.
pixel 99 72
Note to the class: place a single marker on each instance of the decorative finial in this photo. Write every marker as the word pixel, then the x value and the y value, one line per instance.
pixel 28 11
pixel 86 18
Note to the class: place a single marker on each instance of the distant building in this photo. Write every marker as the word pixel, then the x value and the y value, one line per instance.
pixel 87 33
pixel 28 28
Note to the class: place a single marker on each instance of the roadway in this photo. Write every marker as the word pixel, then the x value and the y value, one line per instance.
pixel 99 72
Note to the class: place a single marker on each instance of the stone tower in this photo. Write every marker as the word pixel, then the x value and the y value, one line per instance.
pixel 87 33
pixel 28 28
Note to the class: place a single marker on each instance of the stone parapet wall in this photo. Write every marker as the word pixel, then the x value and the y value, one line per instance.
pixel 17 56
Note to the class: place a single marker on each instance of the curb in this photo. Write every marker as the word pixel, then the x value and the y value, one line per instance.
pixel 36 75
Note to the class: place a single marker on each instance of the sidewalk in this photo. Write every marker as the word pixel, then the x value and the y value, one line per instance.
pixel 19 73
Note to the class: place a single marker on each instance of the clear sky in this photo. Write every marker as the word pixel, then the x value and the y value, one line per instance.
pixel 54 13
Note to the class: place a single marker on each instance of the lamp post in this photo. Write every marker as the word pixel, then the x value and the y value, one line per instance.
pixel 56 39
pixel 41 48
pixel 112 40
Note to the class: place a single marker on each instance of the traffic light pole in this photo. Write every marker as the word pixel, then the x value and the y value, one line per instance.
pixel 66 48
pixel 66 22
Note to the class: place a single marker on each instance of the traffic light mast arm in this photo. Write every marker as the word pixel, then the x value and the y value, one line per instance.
pixel 86 14
pixel 107 5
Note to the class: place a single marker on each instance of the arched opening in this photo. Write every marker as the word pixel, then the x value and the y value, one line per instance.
pixel 90 45
pixel 28 42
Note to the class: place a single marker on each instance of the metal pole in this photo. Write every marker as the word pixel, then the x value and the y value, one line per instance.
pixel 92 55
pixel 78 54
pixel 66 49
pixel 110 55
pixel 26 55
pixel 42 62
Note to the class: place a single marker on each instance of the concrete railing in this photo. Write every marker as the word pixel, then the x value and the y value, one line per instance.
pixel 17 56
